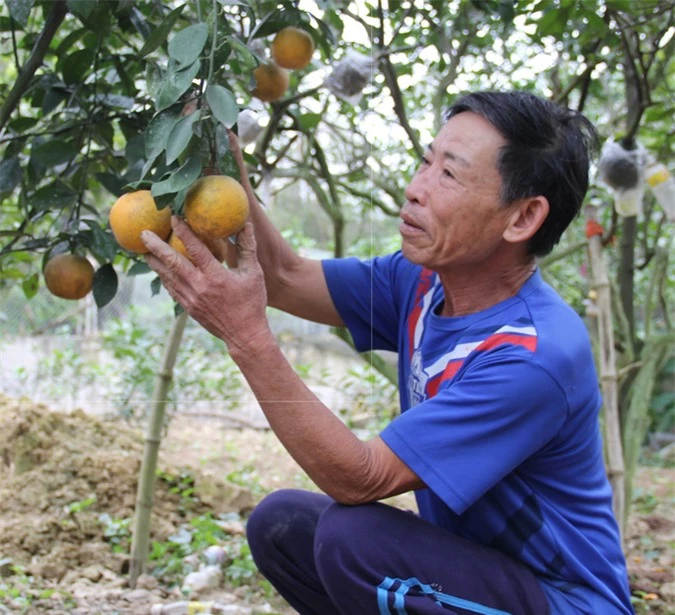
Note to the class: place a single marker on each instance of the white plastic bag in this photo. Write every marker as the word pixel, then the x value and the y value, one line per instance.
pixel 350 76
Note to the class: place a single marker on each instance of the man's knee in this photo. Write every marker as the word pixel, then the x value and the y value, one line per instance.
pixel 270 519
pixel 343 532
pixel 283 516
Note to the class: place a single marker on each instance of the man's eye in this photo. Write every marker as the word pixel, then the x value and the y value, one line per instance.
pixel 424 161
pixel 447 173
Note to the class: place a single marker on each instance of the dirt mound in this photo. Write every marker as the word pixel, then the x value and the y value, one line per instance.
pixel 60 472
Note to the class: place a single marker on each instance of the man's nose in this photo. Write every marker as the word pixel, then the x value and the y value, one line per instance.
pixel 416 191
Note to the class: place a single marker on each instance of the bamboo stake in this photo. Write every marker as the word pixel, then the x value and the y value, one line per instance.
pixel 146 483
pixel 608 372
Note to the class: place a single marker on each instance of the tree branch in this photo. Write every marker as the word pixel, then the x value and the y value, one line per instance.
pixel 390 79
pixel 368 196
pixel 54 19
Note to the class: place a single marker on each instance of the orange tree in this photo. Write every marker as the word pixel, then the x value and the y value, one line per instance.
pixel 104 98
pixel 100 98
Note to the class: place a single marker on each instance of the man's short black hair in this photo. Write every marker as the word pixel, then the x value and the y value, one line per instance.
pixel 547 153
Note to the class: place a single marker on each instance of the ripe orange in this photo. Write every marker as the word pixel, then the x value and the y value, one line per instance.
pixel 215 246
pixel 292 48
pixel 134 213
pixel 271 82
pixel 216 206
pixel 68 276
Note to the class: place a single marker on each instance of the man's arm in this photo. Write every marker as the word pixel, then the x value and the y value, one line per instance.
pixel 230 304
pixel 346 468
pixel 294 284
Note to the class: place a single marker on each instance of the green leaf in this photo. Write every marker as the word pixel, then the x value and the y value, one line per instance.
pixel 551 23
pixel 82 8
pixel 20 10
pixel 223 105
pixel 112 183
pixel 180 179
pixel 158 131
pixel 30 286
pixel 180 136
pixel 52 99
pixel 186 46
pixel 160 34
pixel 101 242
pixel 74 66
pixel 506 11
pixel 54 196
pixel 248 59
pixel 105 285
pixel 105 133
pixel 116 100
pixel 53 153
pixel 276 20
pixel 10 174
pixel 69 41
pixel 309 121
pixel 22 124
pixel 155 286
pixel 139 268
pixel 175 84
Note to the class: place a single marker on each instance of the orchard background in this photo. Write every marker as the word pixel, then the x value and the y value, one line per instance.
pixel 98 98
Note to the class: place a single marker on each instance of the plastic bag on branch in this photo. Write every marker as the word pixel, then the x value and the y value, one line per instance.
pixel 662 184
pixel 248 126
pixel 350 76
pixel 623 171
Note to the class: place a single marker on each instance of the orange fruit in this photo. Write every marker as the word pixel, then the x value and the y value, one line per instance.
pixel 292 48
pixel 134 213
pixel 68 276
pixel 216 206
pixel 215 246
pixel 271 82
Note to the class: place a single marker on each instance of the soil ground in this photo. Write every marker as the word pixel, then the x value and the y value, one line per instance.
pixel 60 472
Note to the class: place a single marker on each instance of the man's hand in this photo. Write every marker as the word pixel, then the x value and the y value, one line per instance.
pixel 229 303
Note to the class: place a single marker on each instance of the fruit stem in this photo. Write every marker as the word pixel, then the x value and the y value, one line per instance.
pixel 214 38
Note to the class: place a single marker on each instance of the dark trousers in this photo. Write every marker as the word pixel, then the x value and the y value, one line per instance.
pixel 375 559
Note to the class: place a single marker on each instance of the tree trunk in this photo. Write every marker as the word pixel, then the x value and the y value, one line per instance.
pixel 146 483
pixel 627 273
pixel 608 373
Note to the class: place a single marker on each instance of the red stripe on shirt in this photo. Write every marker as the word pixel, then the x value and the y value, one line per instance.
pixel 450 370
pixel 527 341
pixel 423 287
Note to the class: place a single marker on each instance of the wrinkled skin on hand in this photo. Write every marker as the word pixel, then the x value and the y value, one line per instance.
pixel 229 303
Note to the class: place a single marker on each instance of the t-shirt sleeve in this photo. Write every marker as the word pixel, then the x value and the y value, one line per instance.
pixel 365 295
pixel 476 430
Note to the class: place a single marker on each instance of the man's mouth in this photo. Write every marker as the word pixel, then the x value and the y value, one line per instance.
pixel 409 224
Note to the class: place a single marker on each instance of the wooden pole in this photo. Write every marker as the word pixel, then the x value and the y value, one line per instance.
pixel 153 438
pixel 607 367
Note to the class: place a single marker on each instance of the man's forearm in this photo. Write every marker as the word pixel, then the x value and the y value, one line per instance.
pixel 333 457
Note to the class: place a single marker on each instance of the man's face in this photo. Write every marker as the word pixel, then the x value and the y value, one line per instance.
pixel 452 215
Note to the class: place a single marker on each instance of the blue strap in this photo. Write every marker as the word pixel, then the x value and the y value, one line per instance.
pixel 441 599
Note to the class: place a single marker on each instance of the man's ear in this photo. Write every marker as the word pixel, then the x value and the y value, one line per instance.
pixel 527 217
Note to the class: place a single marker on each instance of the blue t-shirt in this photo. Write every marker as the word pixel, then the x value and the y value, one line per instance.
pixel 500 421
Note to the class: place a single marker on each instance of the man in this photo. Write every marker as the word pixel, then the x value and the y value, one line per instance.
pixel 498 435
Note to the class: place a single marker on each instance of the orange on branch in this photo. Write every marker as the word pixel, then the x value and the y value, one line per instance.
pixel 216 206
pixel 134 213
pixel 271 82
pixel 292 48
pixel 69 276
